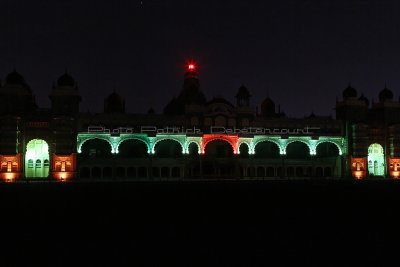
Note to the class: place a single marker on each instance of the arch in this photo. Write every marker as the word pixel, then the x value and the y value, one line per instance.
pixel 37 153
pixel 84 173
pixel 107 172
pixel 317 146
pixel 96 172
pixel 376 160
pixel 296 152
pixel 268 139
pixel 262 148
pixel 165 172
pixel 260 171
pixel 270 171
pixel 232 140
pixel 219 150
pixel 131 148
pixel 142 172
pixel 190 149
pixel 143 139
pixel 80 144
pixel 244 149
pixel 175 172
pixel 167 151
pixel 98 150
pixel 120 172
pixel 166 138
pixel 131 172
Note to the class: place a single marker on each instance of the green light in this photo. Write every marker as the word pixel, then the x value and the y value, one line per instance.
pixel 376 160
pixel 37 159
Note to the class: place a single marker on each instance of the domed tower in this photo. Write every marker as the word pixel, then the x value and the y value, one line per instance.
pixel 385 95
pixel 190 94
pixel 16 96
pixel 351 108
pixel 268 108
pixel 65 97
pixel 349 92
pixel 114 103
pixel 243 97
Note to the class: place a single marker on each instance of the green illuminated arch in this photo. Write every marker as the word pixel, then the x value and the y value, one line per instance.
pixel 181 139
pixel 82 138
pixel 37 159
pixel 299 140
pixel 274 139
pixel 140 137
pixel 376 160
pixel 329 141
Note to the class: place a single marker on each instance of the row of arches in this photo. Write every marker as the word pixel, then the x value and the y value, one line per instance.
pixel 108 172
pixel 150 143
pixel 219 148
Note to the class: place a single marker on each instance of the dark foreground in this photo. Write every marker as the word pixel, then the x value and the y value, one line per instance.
pixel 228 223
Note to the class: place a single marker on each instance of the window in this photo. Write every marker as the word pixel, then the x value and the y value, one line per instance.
pixel 30 163
pixel 38 163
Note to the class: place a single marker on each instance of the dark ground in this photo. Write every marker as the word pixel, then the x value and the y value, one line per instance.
pixel 292 223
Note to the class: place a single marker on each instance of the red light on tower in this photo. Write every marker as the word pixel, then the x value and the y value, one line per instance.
pixel 191 67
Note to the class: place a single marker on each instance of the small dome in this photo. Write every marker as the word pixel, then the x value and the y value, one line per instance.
pixel 66 80
pixel 349 92
pixel 385 94
pixel 363 98
pixel 243 92
pixel 114 103
pixel 15 78
pixel 268 107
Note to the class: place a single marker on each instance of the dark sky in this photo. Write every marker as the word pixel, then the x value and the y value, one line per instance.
pixel 300 53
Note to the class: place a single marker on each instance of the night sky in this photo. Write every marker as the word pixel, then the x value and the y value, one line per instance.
pixel 300 53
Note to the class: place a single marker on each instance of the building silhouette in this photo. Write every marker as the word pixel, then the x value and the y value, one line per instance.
pixel 194 138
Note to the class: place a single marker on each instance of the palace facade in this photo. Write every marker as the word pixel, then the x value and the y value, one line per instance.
pixel 194 138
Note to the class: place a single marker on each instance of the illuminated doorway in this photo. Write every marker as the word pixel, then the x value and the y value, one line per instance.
pixel 37 162
pixel 376 160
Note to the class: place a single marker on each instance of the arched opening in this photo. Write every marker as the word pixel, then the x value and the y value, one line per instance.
pixel 218 149
pixel 107 173
pixel 175 172
pixel 193 149
pixel 142 172
pixel 96 148
pixel 270 172
pixel 37 159
pixel 299 172
pixel 131 172
pixel 132 148
pixel 327 172
pixel 260 171
pixel 376 160
pixel 165 172
pixel 156 172
pixel 297 150
pixel 85 173
pixel 96 172
pixel 266 149
pixel 319 172
pixel 290 172
pixel 327 150
pixel 120 172
pixel 168 149
pixel 244 150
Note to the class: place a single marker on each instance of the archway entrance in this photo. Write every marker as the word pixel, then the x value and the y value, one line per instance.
pixel 37 162
pixel 376 160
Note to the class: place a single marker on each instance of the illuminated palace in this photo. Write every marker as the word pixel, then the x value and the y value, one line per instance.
pixel 194 138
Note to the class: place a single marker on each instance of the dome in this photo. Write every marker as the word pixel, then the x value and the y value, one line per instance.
pixel 114 103
pixel 363 98
pixel 385 94
pixel 349 92
pixel 66 80
pixel 15 78
pixel 243 92
pixel 268 107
